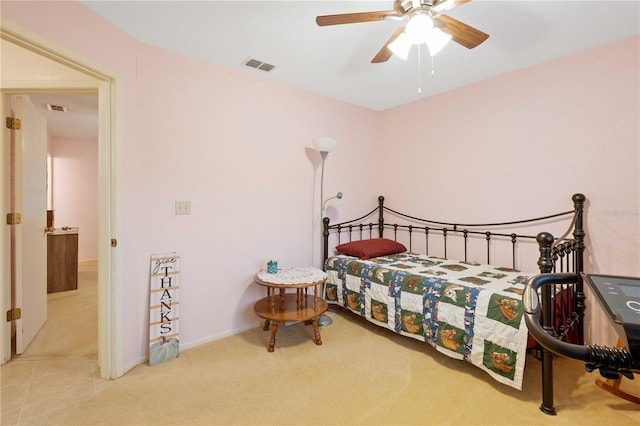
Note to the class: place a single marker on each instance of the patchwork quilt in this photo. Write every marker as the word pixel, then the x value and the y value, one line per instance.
pixel 465 310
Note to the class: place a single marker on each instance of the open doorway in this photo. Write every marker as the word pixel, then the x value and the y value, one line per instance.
pixel 38 67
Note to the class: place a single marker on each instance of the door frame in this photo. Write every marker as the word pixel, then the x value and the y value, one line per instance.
pixel 106 84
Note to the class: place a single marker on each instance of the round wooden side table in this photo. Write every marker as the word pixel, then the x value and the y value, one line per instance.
pixel 291 307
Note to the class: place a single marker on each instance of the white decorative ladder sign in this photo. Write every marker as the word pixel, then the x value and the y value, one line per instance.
pixel 164 342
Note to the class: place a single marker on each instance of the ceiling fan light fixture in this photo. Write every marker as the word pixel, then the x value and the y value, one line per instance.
pixel 437 40
pixel 401 46
pixel 419 28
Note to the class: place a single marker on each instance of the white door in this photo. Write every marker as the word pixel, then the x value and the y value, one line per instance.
pixel 30 250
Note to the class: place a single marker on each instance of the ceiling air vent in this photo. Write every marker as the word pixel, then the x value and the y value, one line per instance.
pixel 259 65
pixel 58 108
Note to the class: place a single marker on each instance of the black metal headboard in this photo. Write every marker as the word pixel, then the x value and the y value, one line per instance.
pixel 562 254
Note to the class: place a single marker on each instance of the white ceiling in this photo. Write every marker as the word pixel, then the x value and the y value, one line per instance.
pixel 334 61
pixel 80 121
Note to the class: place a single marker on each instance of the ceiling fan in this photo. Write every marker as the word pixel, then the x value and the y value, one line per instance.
pixel 424 23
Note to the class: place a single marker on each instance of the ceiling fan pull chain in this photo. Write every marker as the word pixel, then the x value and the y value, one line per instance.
pixel 419 70
pixel 433 66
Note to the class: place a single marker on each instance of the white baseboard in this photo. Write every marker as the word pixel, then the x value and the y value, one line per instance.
pixel 196 343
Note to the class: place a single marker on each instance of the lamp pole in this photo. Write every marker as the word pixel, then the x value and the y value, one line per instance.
pixel 323 154
pixel 324 320
pixel 323 145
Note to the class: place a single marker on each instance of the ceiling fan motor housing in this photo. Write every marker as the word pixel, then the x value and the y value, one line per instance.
pixel 405 6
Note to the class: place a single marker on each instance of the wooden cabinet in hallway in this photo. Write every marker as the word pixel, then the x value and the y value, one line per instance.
pixel 62 260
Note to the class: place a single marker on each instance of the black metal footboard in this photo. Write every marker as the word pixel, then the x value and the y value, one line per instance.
pixel 563 303
pixel 607 360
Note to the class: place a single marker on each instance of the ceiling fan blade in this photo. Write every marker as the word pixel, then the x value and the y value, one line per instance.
pixel 447 5
pixel 385 53
pixel 351 18
pixel 461 33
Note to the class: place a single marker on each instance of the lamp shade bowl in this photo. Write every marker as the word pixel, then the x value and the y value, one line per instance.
pixel 324 144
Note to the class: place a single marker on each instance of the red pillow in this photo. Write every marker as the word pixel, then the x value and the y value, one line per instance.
pixel 366 249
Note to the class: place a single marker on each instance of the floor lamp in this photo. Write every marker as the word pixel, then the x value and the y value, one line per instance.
pixel 324 146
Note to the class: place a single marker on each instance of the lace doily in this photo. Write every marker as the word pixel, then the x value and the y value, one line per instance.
pixel 293 275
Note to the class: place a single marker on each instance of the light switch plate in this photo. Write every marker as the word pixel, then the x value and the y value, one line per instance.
pixel 183 207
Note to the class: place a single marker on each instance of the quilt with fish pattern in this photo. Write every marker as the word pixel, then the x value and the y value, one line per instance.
pixel 465 310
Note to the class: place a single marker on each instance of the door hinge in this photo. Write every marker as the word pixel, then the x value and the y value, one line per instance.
pixel 13 123
pixel 114 242
pixel 14 314
pixel 14 218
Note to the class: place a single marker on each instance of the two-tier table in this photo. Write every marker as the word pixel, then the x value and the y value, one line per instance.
pixel 291 307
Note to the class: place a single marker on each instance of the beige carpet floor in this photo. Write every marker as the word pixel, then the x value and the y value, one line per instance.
pixel 359 375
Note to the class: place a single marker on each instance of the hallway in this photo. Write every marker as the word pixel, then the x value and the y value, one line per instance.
pixel 61 364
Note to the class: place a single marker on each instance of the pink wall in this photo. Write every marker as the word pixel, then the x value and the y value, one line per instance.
pixel 75 190
pixel 236 146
